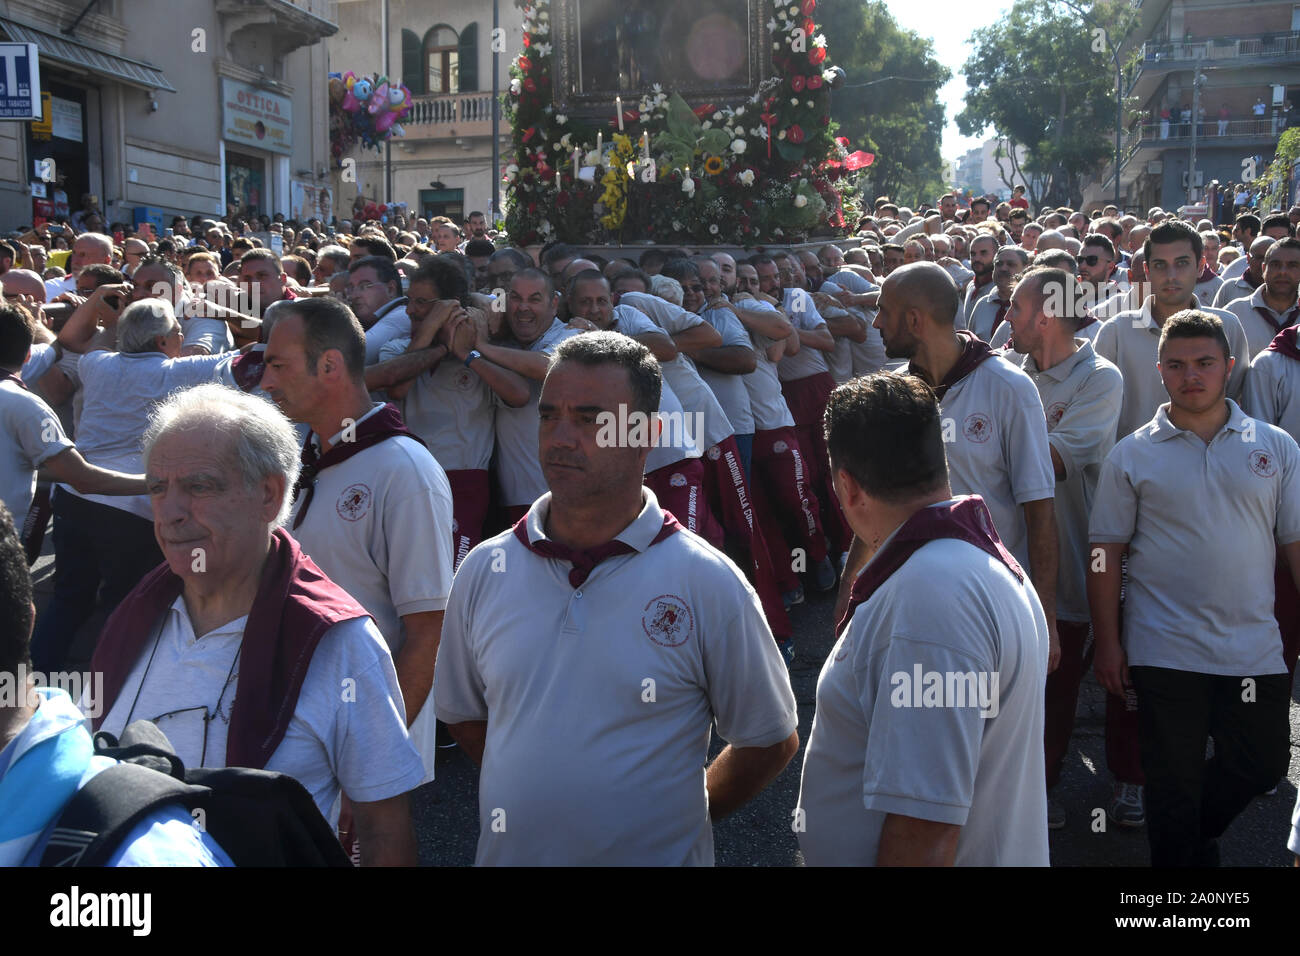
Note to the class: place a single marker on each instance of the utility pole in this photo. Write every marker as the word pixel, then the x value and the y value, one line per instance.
pixel 388 144
pixel 1197 79
pixel 496 112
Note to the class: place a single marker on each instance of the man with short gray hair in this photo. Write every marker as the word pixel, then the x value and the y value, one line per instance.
pixel 105 544
pixel 237 646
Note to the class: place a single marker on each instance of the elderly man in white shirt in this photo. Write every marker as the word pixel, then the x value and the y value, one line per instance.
pixel 105 544
pixel 239 647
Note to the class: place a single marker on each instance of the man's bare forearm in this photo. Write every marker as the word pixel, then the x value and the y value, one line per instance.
pixel 385 833
pixel 909 841
pixel 1040 525
pixel 472 738
pixel 738 774
pixel 403 368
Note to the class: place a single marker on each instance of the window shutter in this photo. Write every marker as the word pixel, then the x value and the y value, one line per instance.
pixel 412 63
pixel 469 59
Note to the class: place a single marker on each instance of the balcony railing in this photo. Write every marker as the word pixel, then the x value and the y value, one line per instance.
pixel 459 114
pixel 1223 48
pixel 1207 130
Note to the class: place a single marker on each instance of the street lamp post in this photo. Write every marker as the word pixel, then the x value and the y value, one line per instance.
pixel 1119 89
pixel 496 111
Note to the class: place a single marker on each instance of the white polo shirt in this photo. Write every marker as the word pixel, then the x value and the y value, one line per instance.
pixel 1237 267
pixel 356 743
pixel 121 390
pixel 973 295
pixel 1231 290
pixel 727 387
pixel 1272 392
pixel 599 700
pixel 1131 340
pixel 517 432
pixel 997 447
pixel 380 526
pixel 1081 398
pixel 1208 289
pixel 1202 523
pixel 391 322
pixel 876 748
pixel 30 435
pixel 839 361
pixel 681 373
pixel 1259 331
pixel 766 401
pixel 802 313
pixel 450 408
pixel 868 356
pixel 985 314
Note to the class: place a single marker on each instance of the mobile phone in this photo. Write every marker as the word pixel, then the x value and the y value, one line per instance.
pixel 169 232
pixel 56 230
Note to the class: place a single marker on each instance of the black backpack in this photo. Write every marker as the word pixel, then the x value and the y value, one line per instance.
pixel 259 818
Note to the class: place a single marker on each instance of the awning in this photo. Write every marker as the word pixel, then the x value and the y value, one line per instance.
pixel 61 49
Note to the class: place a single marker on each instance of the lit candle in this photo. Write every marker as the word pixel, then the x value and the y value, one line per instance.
pixel 645 146
pixel 688 172
pixel 576 153
pixel 600 141
pixel 618 108
pixel 557 179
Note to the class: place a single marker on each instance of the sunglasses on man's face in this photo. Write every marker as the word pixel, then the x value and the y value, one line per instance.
pixel 1093 260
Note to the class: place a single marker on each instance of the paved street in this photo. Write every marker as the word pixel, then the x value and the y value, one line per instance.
pixel 760 834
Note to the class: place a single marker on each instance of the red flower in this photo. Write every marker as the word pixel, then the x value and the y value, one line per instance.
pixel 815 81
pixel 808 7
pixel 816 55
pixel 809 28
pixel 532 208
pixel 826 120
pixel 794 134
pixel 530 85
pixel 525 64
pixel 797 83
pixel 527 42
pixel 703 111
pixel 529 133
pixel 843 141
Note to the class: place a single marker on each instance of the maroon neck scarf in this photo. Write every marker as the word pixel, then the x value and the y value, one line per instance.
pixel 975 352
pixel 384 424
pixel 1002 314
pixel 1288 320
pixel 295 605
pixel 966 519
pixel 13 377
pixel 1206 274
pixel 247 369
pixel 585 561
pixel 1089 317
pixel 1285 342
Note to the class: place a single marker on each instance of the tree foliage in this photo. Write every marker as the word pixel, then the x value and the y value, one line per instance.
pixel 1044 78
pixel 1274 182
pixel 900 120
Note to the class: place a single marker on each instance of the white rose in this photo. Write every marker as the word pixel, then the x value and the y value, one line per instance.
pixel 810 103
pixel 677 226
pixel 800 201
pixel 515 86
pixel 794 11
pixel 713 230
pixel 746 178
pixel 561 118
pixel 737 146
pixel 794 101
pixel 707 124
pixel 740 111
pixel 717 115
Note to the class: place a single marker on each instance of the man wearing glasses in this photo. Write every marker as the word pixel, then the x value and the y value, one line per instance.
pixel 239 647
pixel 374 292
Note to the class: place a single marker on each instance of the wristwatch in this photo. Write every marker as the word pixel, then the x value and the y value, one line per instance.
pixel 473 354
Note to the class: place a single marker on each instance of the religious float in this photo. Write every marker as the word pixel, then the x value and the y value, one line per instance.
pixel 676 122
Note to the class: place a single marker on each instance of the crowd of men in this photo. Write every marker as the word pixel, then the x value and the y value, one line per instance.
pixel 562 505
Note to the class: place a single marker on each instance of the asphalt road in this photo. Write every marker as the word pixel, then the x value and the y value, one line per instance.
pixel 760 834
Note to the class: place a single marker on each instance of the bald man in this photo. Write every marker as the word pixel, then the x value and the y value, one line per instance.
pixel 89 248
pixel 23 282
pixel 994 428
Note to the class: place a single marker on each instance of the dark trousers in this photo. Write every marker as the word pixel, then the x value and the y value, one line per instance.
pixel 100 553
pixel 1191 800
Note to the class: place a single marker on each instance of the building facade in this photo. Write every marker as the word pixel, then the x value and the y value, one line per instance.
pixel 164 107
pixel 444 55
pixel 1222 75
pixel 986 169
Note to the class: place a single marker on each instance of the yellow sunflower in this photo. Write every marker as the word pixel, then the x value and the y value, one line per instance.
pixel 713 165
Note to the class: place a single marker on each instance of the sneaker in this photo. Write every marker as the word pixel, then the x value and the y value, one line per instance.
pixel 786 648
pixel 1127 807
pixel 442 737
pixel 1271 792
pixel 1055 814
pixel 825 575
pixel 791 598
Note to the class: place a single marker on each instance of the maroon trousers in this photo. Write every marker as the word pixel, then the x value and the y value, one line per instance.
pixel 679 487
pixel 806 398
pixel 1286 608
pixel 786 506
pixel 470 495
pixel 731 500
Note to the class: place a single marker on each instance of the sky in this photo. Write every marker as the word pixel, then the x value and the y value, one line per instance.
pixel 949 24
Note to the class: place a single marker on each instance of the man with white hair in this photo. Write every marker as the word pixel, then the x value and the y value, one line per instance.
pixel 106 544
pixel 238 647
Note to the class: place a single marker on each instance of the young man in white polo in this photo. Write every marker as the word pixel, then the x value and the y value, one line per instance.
pixel 1273 306
pixel 1200 496
pixel 589 706
pixel 372 507
pixel 897 774
pixel 1173 254
pixel 1081 394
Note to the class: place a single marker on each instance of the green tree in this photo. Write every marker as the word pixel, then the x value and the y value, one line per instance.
pixel 889 104
pixel 1043 78
pixel 1274 183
